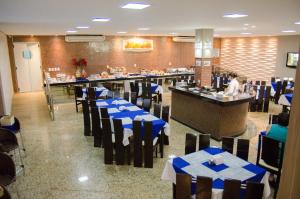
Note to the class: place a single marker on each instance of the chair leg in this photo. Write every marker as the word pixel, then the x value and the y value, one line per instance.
pixel 76 107
pixel 22 142
pixel 21 160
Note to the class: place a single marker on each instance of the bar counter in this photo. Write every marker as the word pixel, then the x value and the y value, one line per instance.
pixel 208 114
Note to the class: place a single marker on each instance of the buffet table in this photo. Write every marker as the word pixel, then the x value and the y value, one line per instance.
pixel 208 114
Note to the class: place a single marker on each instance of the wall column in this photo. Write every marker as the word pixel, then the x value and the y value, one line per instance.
pixel 290 179
pixel 203 56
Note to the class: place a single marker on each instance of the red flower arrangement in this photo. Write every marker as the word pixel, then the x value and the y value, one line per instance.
pixel 79 62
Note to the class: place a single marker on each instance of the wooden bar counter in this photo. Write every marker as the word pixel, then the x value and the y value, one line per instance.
pixel 208 114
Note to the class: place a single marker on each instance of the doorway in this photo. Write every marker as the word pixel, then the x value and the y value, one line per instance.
pixel 28 66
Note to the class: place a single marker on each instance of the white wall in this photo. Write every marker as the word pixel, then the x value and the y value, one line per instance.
pixel 286 44
pixel 6 85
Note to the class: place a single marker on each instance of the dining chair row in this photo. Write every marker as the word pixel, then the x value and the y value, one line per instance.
pixel 232 188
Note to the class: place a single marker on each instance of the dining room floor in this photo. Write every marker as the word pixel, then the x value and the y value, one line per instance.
pixel 61 162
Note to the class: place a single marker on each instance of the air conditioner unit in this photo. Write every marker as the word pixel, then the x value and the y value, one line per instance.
pixel 184 39
pixel 84 38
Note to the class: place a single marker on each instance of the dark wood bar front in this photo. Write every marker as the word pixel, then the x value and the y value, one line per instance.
pixel 208 114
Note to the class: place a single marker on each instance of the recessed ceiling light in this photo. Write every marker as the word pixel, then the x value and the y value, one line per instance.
pixel 246 24
pixel 71 31
pixel 236 15
pixel 121 32
pixel 246 33
pixel 101 19
pixel 253 26
pixel 297 23
pixel 143 28
pixel 82 27
pixel 135 6
pixel 288 31
pixel 83 178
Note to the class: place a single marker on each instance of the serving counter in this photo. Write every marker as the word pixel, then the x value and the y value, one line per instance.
pixel 206 113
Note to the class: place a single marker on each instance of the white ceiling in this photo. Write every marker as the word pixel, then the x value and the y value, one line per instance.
pixel 50 17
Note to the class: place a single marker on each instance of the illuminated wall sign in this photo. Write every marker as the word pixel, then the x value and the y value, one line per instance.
pixel 138 45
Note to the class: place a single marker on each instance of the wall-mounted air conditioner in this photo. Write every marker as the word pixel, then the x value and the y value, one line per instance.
pixel 184 39
pixel 84 38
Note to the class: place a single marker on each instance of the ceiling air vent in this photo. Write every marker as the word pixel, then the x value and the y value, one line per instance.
pixel 84 38
pixel 184 39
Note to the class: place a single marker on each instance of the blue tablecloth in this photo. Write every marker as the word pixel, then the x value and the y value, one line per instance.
pixel 115 113
pixel 99 91
pixel 196 164
pixel 286 99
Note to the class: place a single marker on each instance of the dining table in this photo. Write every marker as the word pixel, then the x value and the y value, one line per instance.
pixel 119 108
pixel 231 167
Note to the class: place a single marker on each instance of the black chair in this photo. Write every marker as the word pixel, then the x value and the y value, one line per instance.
pixel 137 144
pixel 91 93
pixel 7 170
pixel 260 98
pixel 96 127
pixel 227 144
pixel 284 85
pixel 133 98
pixel 147 104
pixel 104 113
pixel 157 110
pixel 86 117
pixel 16 128
pixel 126 96
pixel 107 141
pixel 253 102
pixel 204 141
pixel 137 88
pixel 190 143
pixel 120 148
pixel 254 190
pixel 242 149
pixel 257 83
pixel 203 188
pixel 9 143
pixel 263 83
pixel 183 186
pixel 174 81
pixel 132 87
pixel 271 152
pixel 277 92
pixel 273 119
pixel 160 82
pixel 165 117
pixel 78 96
pixel 231 189
pixel 148 148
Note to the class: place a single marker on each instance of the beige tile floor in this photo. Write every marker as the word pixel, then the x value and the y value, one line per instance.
pixel 58 155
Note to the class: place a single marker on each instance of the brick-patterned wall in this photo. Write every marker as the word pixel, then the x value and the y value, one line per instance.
pixel 253 57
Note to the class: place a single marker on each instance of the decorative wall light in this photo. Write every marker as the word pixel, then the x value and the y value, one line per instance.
pixel 138 45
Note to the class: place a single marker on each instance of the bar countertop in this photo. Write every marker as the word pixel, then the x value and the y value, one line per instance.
pixel 210 97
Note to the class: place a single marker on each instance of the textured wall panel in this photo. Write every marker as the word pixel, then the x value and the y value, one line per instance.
pixel 253 57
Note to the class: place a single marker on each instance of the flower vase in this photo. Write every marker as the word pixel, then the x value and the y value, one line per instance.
pixel 78 73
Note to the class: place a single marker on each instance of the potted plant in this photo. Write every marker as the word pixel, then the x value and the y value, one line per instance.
pixel 80 64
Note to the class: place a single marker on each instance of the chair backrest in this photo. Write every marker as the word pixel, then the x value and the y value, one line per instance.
pixel 204 141
pixel 257 83
pixel 242 149
pixel 132 87
pixel 147 104
pixel 136 87
pixel 273 79
pixel 263 83
pixel 165 113
pixel 107 141
pixel 147 93
pixel 254 190
pixel 203 188
pixel 227 144
pixel 190 143
pixel 78 91
pixel 104 113
pixel 183 186
pixel 271 151
pixel 91 93
pixel 261 93
pixel 133 99
pixel 231 189
pixel 284 85
pixel 157 110
pixel 126 96
pixel 7 167
pixel 119 135
pixel 160 82
pixel 86 117
pixel 96 128
pixel 174 81
pixel 137 144
pixel 148 156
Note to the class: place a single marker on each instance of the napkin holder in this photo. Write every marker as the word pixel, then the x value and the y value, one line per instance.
pixel 216 160
pixel 7 120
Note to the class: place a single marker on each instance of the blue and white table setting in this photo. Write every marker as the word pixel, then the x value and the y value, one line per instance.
pixel 155 88
pixel 119 108
pixel 231 167
pixel 99 91
pixel 274 86
pixel 285 99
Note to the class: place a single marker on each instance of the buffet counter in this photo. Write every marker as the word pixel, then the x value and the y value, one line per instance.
pixel 206 113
